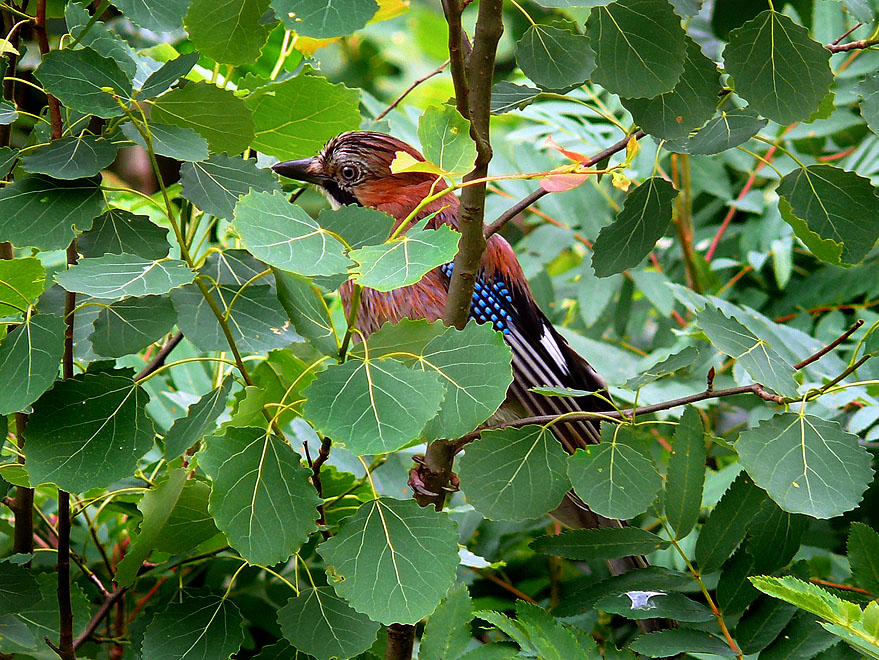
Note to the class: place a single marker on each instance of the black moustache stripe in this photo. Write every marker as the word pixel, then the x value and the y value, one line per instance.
pixel 341 196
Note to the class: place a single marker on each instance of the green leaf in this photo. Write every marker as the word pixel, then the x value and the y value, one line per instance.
pixel 70 157
pixel 860 10
pixel 809 597
pixel 445 139
pixel 129 325
pixel 18 589
pixel 261 497
pixel 726 131
pixel 78 78
pixel 665 643
pixel 863 555
pixel 323 625
pixel 156 15
pixel 393 560
pixel 8 158
pixel 726 526
pixel 308 311
pixel 8 113
pixel 229 31
pixel 833 204
pixel 507 96
pixel 514 474
pixel 642 221
pixel 690 104
pixel 607 543
pixel 169 73
pixel 216 114
pixel 118 276
pixel 283 651
pixel 665 367
pixel 42 619
pixel 686 474
pixel 757 357
pixel 372 406
pixel 358 225
pixel 21 281
pixel 406 259
pixel 639 47
pixel 190 523
pixel 638 605
pixel 323 19
pixel 294 118
pixel 156 506
pixel 868 90
pixel 87 432
pixel 99 38
pixel 777 67
pixel 216 184
pixel 447 632
pixel 762 623
pixel 614 477
pixel 174 142
pixel 200 420
pixel 29 359
pixel 45 213
pixel 199 628
pixel 280 379
pixel 550 638
pixel 806 464
pixel 118 231
pixel 552 57
pixel 286 237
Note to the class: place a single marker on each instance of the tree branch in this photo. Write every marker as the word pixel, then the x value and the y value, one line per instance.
pixel 161 356
pixel 43 39
pixel 406 92
pixel 824 351
pixel 852 45
pixel 99 616
pixel 525 202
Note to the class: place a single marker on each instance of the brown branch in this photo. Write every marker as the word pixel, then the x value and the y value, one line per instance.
pixel 161 356
pixel 852 45
pixel 65 648
pixel 23 504
pixel 325 446
pixel 401 641
pixel 452 10
pixel 99 616
pixel 43 39
pixel 525 202
pixel 824 351
pixel 846 33
pixel 406 92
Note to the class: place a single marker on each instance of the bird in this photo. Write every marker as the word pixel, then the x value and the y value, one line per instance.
pixel 355 168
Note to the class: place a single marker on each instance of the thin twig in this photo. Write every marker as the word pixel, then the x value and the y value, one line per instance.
pixel 161 356
pixel 852 45
pixel 824 351
pixel 846 33
pixel 325 446
pixel 525 202
pixel 406 92
pixel 102 612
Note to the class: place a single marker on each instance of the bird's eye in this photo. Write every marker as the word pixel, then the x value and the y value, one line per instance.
pixel 348 172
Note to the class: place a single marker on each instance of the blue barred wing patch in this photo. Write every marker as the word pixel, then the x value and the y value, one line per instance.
pixel 491 303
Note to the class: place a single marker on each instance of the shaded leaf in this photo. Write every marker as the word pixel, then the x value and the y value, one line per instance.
pixel 307 311
pixel 29 359
pixel 200 420
pixel 8 113
pixel 638 605
pixel 228 31
pixel 76 78
pixel 514 474
pixel 156 15
pixel 169 73
pixel 129 325
pixel 666 643
pixel 8 158
pixel 71 157
pixel 99 37
pixel 729 129
pixel 868 90
pixel 806 464
pixel 18 589
pixel 199 628
pixel 863 555
pixel 215 185
pixel 762 623
pixel 190 523
pixel 118 276
pixel 393 560
pixel 42 619
pixel 117 231
pixel 665 367
pixel 358 225
pixel 507 96
pixel 552 57
pixel 686 474
pixel 606 543
pixel 174 142
pixel 323 19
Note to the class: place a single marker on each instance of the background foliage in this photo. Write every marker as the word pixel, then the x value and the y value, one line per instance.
pixel 235 467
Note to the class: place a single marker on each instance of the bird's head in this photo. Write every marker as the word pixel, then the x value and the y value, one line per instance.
pixel 355 168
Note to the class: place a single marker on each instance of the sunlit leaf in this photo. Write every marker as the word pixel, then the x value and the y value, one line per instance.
pixel 325 18
pixel 358 225
pixel 445 139
pixel 99 37
pixel 21 281
pixel 228 31
pixel 8 113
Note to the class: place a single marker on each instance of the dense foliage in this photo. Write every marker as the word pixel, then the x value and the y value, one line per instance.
pixel 201 460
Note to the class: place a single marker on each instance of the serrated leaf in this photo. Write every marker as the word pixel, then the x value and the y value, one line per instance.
pixel 757 357
pixel 294 118
pixel 174 142
pixel 863 555
pixel 552 57
pixel 118 231
pixel 215 185
pixel 118 276
pixel 169 73
pixel 550 638
pixel 406 259
pixel 129 325
pixel 323 625
pixel 686 474
pixel 261 497
pixel 77 79
pixel 324 19
pixel 726 526
pixel 607 543
pixel 809 597
pixel 690 104
pixel 44 213
pixel 642 221
pixel 728 130
pixel 358 225
pixel 200 420
pixel 393 560
pixel 156 15
pixel 507 96
pixel 286 237
pixel 833 204
pixel 445 139
pixel 447 632
pixel 665 367
pixel 639 47
pixel 665 643
pixel 514 474
pixel 806 464
pixel 777 67
pixel 229 31
pixel 372 406
pixel 87 432
pixel 638 605
pixel 199 628
pixel 18 589
pixel 8 113
pixel 613 477
pixel 71 157
pixel 21 281
pixel 307 311
pixel 29 359
pixel 216 114
pixel 42 619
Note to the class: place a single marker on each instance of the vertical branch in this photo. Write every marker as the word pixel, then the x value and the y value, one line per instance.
pixel 23 505
pixel 43 39
pixel 683 217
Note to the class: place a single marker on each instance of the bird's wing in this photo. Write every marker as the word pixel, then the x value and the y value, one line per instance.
pixel 541 356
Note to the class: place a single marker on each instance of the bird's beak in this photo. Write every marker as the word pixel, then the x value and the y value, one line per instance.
pixel 301 170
